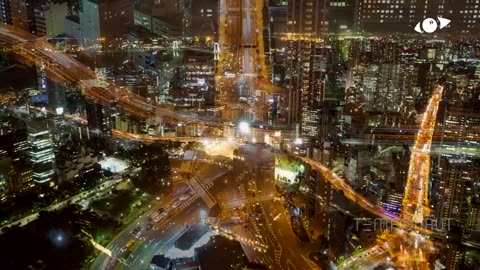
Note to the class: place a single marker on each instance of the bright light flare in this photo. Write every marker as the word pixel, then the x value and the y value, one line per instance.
pixel 244 127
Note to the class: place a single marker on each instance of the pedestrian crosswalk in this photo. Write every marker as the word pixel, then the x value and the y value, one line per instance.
pixel 202 191
pixel 194 197
pixel 247 201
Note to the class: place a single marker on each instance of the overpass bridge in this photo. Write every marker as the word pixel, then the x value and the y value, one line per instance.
pixel 64 69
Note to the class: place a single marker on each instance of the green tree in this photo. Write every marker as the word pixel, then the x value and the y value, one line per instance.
pixel 155 169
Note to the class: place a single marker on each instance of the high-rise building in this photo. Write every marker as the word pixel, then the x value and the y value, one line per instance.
pixel 402 15
pixel 340 15
pixel 277 26
pixel 388 15
pixel 13 138
pixel 465 14
pixel 139 81
pixel 23 14
pixel 162 17
pixel 98 117
pixel 393 203
pixel 49 19
pixel 204 17
pixel 304 18
pixel 100 19
pixel 313 76
pixel 198 78
pixel 42 156
pixel 457 175
pixel 307 17
pixel 5 12
pixel 14 154
pixel 321 16
pixel 316 85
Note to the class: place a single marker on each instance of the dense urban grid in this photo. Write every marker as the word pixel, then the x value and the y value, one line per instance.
pixel 240 134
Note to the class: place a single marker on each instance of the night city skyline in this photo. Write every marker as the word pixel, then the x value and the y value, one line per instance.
pixel 240 134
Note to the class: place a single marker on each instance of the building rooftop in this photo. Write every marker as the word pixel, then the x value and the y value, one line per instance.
pixel 221 253
pixel 193 234
pixel 161 261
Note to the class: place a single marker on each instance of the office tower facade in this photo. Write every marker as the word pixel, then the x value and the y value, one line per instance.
pixel 162 17
pixel 104 19
pixel 455 193
pixel 321 16
pixel 307 17
pixel 303 82
pixel 13 138
pixel 204 18
pixel 403 15
pixel 5 12
pixel 42 156
pixel 14 153
pixel 341 15
pixel 392 203
pixel 313 77
pixel 49 19
pixel 277 26
pixel 198 77
pixel 99 118
pixel 465 14
pixel 23 14
pixel 389 15
pixel 456 174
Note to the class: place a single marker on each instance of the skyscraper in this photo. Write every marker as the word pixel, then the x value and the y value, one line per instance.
pixel 305 20
pixel 14 150
pixel 104 19
pixel 49 19
pixel 307 16
pixel 42 155
pixel 340 15
pixel 23 15
pixel 5 12
pixel 388 15
pixel 455 195
pixel 313 78
pixel 162 17
pixel 98 117
pixel 402 15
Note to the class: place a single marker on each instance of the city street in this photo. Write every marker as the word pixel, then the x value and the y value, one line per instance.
pixel 152 241
pixel 274 228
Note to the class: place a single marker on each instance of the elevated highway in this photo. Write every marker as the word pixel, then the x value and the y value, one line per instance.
pixel 64 69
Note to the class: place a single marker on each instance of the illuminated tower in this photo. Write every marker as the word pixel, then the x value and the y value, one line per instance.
pixel 312 76
pixel 104 19
pixel 389 15
pixel 98 116
pixel 305 19
pixel 42 155
pixel 456 191
pixel 23 15
pixel 5 12
pixel 456 176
